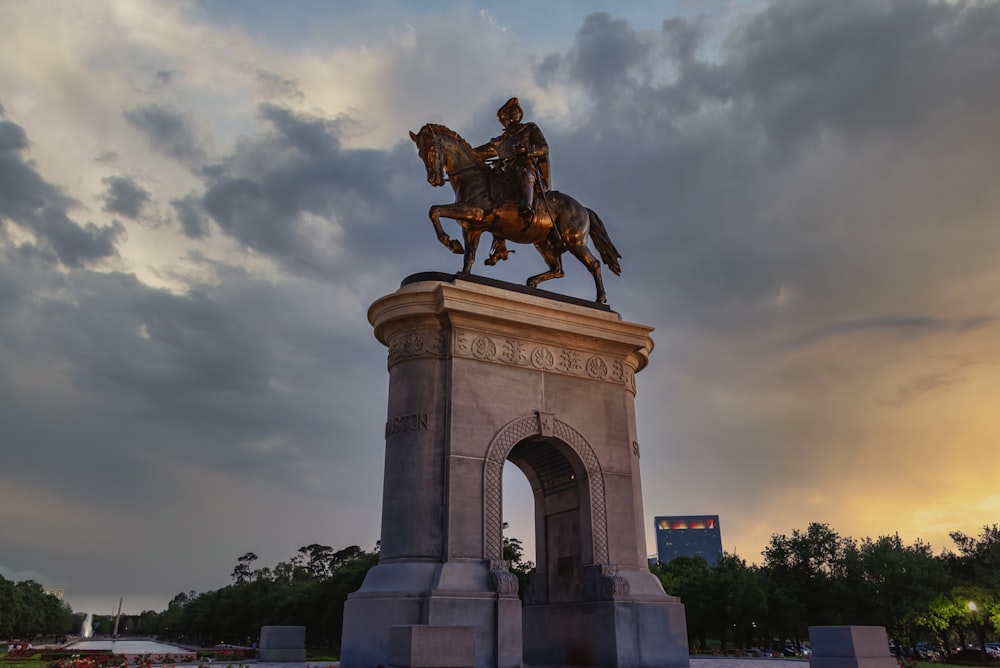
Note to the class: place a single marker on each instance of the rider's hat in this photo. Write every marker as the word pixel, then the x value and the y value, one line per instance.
pixel 510 108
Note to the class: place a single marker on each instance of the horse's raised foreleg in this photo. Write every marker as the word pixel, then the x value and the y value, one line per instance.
pixel 436 213
pixel 552 258
pixel 498 252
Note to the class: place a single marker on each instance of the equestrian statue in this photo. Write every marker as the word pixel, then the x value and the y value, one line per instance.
pixel 502 187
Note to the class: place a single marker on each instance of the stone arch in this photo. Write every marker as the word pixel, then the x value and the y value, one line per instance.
pixel 515 431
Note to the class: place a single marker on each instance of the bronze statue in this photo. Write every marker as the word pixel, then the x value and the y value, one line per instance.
pixel 494 199
pixel 523 153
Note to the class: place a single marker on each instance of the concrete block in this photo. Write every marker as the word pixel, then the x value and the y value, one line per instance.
pixel 850 647
pixel 849 642
pixel 282 643
pixel 420 646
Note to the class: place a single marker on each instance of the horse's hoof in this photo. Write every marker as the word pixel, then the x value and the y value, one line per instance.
pixel 455 247
pixel 602 299
pixel 489 262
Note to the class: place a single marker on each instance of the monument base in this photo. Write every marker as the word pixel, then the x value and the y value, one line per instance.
pixel 481 374
pixel 452 594
pixel 612 634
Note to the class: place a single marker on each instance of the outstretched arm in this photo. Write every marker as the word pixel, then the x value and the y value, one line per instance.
pixel 485 152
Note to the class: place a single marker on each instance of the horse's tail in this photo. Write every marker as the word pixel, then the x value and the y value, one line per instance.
pixel 602 242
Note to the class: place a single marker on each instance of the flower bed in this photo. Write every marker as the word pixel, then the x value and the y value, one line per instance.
pixel 229 654
pixel 108 660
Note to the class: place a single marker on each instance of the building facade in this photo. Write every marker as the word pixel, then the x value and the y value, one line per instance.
pixel 688 536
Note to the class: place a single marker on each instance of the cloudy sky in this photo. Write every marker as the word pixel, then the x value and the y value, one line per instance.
pixel 198 202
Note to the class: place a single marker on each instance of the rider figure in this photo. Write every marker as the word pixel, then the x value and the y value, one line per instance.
pixel 523 153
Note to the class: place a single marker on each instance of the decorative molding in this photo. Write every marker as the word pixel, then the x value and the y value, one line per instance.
pixel 539 424
pixel 501 580
pixel 417 344
pixel 544 357
pixel 511 351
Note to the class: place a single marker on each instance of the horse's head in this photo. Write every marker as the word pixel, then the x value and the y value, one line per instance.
pixel 429 147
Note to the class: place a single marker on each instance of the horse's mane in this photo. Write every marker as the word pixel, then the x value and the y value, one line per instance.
pixel 445 130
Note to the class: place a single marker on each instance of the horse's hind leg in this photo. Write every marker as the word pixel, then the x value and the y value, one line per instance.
pixel 583 254
pixel 552 258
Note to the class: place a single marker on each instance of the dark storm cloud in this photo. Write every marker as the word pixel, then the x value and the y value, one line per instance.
pixel 749 170
pixel 862 67
pixel 31 203
pixel 193 221
pixel 294 193
pixel 608 56
pixel 157 394
pixel 227 366
pixel 169 132
pixel 124 196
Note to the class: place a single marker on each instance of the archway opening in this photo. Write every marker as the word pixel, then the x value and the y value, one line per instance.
pixel 561 518
pixel 519 524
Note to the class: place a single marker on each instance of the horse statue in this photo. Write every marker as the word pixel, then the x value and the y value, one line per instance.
pixel 486 202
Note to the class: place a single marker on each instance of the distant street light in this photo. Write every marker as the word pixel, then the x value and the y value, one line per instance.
pixel 980 635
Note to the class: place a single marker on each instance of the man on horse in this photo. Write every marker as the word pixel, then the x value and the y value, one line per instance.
pixel 523 154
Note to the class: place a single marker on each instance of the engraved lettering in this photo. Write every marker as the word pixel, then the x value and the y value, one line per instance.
pixel 401 423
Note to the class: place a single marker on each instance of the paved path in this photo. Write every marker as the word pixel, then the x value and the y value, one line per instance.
pixel 696 662
pixel 745 662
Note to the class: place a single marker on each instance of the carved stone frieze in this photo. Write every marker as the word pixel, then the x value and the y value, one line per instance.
pixel 544 357
pixel 413 344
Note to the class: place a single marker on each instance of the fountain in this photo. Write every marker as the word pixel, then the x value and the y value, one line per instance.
pixel 87 628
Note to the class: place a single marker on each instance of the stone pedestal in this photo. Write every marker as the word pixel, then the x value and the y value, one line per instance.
pixel 480 374
pixel 432 647
pixel 850 647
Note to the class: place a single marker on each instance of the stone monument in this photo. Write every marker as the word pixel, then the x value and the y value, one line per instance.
pixel 482 372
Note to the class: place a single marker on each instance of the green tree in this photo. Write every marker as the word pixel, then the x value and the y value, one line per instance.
pixel 243 571
pixel 812 569
pixel 690 579
pixel 513 552
pixel 740 601
pixel 901 583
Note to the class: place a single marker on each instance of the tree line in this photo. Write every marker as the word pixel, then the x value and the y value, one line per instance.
pixel 27 611
pixel 811 577
pixel 817 577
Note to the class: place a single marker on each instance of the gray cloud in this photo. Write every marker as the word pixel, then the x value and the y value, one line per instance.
pixel 173 398
pixel 164 77
pixel 168 131
pixel 898 327
pixel 33 204
pixel 12 137
pixel 277 86
pixel 124 196
pixel 193 221
pixel 292 192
